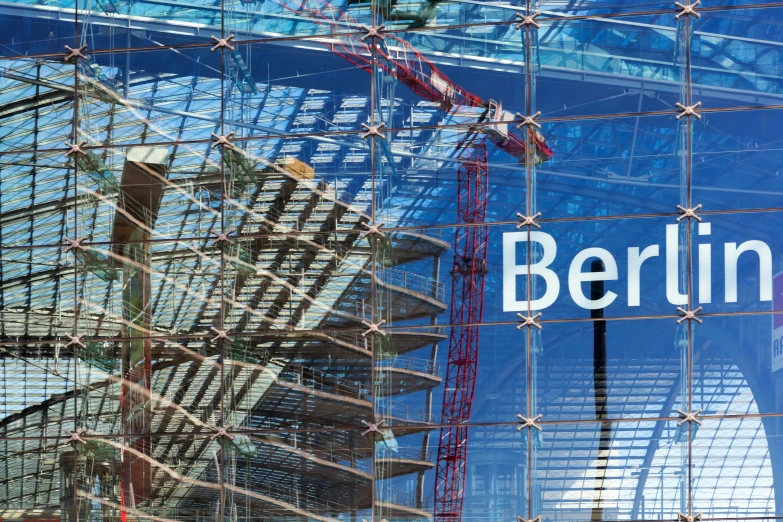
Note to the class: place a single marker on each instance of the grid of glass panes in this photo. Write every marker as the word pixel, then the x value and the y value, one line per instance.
pixel 280 235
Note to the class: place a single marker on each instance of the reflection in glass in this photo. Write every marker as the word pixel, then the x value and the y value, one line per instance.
pixel 276 260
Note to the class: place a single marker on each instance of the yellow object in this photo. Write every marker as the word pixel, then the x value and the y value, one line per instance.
pixel 296 167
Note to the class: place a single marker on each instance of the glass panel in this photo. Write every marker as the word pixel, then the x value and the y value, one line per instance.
pixel 617 471
pixel 649 279
pixel 176 284
pixel 297 475
pixel 404 472
pixel 37 106
pixel 601 370
pixel 630 65
pixel 166 95
pixel 297 89
pixel 37 292
pixel 38 382
pixel 611 167
pixel 735 365
pixel 167 478
pixel 31 476
pixel 736 160
pixel 36 198
pixel 408 373
pixel 430 374
pixel 308 380
pixel 733 467
pixel 158 386
pixel 162 187
pixel 29 28
pixel 584 168
pixel 734 59
pixel 288 282
pixel 491 471
pixel 735 257
pixel 303 187
pixel 491 35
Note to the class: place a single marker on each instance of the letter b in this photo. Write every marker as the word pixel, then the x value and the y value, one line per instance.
pixel 511 271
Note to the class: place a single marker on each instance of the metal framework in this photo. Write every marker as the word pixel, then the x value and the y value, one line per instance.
pixel 466 310
pixel 27 285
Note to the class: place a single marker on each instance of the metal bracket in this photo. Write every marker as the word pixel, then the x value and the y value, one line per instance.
pixel 222 237
pixel 527 20
pixel 537 519
pixel 371 427
pixel 223 140
pixel 222 432
pixel 223 42
pixel 373 328
pixel 529 321
pixel 373 131
pixel 689 417
pixel 373 32
pixel 529 120
pixel 76 436
pixel 75 340
pixel 528 221
pixel 373 230
pixel 75 149
pixel 689 9
pixel 688 518
pixel 525 422
pixel 688 111
pixel 75 243
pixel 75 53
pixel 220 334
pixel 689 212
pixel 688 315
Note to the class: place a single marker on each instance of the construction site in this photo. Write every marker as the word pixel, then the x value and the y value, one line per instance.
pixel 290 260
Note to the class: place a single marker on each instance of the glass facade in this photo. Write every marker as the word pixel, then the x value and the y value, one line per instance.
pixel 391 260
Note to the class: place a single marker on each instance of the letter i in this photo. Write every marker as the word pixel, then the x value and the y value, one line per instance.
pixel 705 265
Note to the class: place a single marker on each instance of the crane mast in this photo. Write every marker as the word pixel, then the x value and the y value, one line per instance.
pixel 466 311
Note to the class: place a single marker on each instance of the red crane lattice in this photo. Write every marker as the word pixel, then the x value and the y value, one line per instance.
pixel 467 308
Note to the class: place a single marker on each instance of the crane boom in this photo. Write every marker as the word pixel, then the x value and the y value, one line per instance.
pixel 408 66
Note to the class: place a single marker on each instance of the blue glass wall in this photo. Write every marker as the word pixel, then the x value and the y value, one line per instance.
pixel 391 260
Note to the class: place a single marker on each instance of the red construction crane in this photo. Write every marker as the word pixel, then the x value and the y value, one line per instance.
pixel 467 308
pixel 404 63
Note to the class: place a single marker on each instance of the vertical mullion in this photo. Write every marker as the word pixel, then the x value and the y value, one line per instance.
pixel 75 345
pixel 689 268
pixel 374 316
pixel 221 318
pixel 529 211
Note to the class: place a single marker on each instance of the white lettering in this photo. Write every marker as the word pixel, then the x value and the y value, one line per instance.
pixel 635 260
pixel 576 277
pixel 511 270
pixel 732 253
pixel 673 266
pixel 543 251
pixel 705 266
